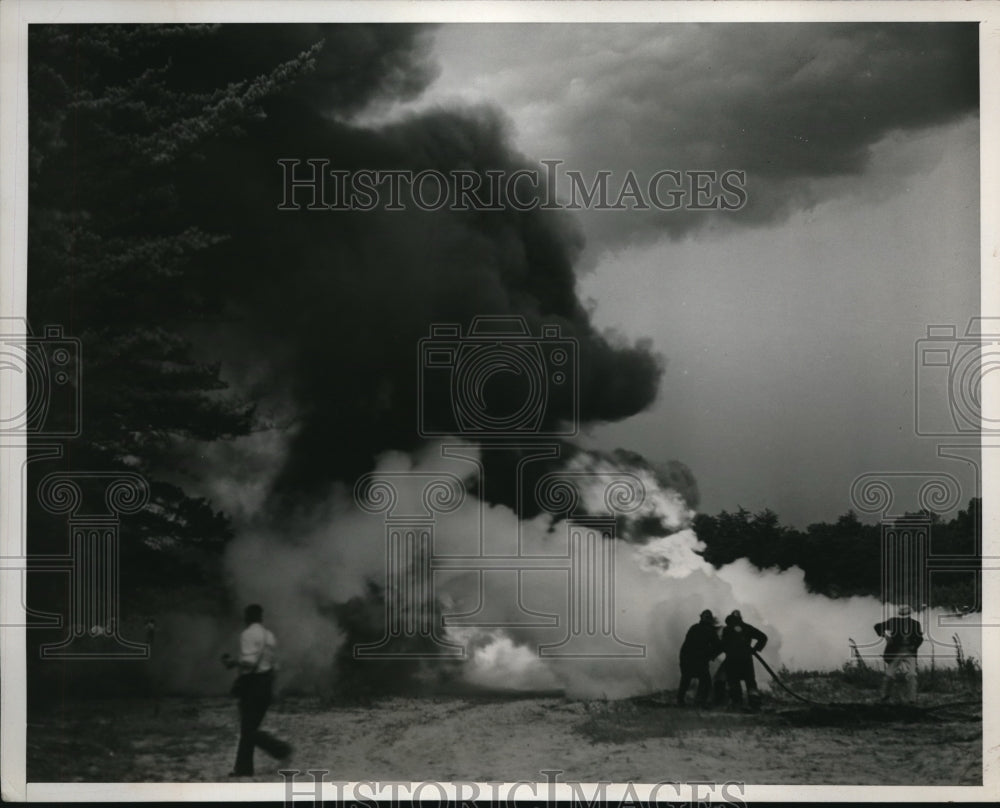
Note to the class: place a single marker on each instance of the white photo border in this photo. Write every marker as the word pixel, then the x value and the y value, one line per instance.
pixel 16 15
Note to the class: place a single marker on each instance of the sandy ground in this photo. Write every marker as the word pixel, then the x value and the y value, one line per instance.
pixel 507 739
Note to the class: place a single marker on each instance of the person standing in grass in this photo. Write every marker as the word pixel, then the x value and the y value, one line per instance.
pixel 701 646
pixel 254 689
pixel 903 637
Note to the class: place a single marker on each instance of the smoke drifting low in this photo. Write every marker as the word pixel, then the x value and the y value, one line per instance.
pixel 334 554
pixel 329 556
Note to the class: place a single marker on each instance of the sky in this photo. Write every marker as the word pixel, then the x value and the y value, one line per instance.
pixel 788 329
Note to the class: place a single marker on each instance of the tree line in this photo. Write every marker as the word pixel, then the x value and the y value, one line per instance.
pixel 843 558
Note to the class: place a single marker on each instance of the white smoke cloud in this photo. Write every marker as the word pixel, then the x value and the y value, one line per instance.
pixel 301 569
pixel 816 630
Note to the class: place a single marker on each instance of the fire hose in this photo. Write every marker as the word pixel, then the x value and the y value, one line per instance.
pixel 781 684
pixel 804 700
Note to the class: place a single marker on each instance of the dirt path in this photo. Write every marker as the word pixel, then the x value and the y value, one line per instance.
pixel 451 739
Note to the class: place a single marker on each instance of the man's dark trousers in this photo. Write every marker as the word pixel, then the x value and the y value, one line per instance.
pixel 736 674
pixel 700 672
pixel 255 698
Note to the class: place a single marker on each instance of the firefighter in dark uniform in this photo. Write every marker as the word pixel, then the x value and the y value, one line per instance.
pixel 701 646
pixel 740 640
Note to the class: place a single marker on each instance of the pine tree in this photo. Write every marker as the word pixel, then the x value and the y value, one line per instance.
pixel 113 118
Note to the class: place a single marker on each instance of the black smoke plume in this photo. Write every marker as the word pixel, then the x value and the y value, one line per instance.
pixel 326 308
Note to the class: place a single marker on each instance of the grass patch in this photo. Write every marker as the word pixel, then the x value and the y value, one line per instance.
pixel 965 679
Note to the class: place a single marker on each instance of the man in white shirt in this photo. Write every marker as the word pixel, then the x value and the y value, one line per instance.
pixel 254 686
pixel 256 648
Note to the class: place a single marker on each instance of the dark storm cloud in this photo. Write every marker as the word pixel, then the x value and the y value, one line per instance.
pixel 792 100
pixel 330 306
pixel 793 105
pixel 802 103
